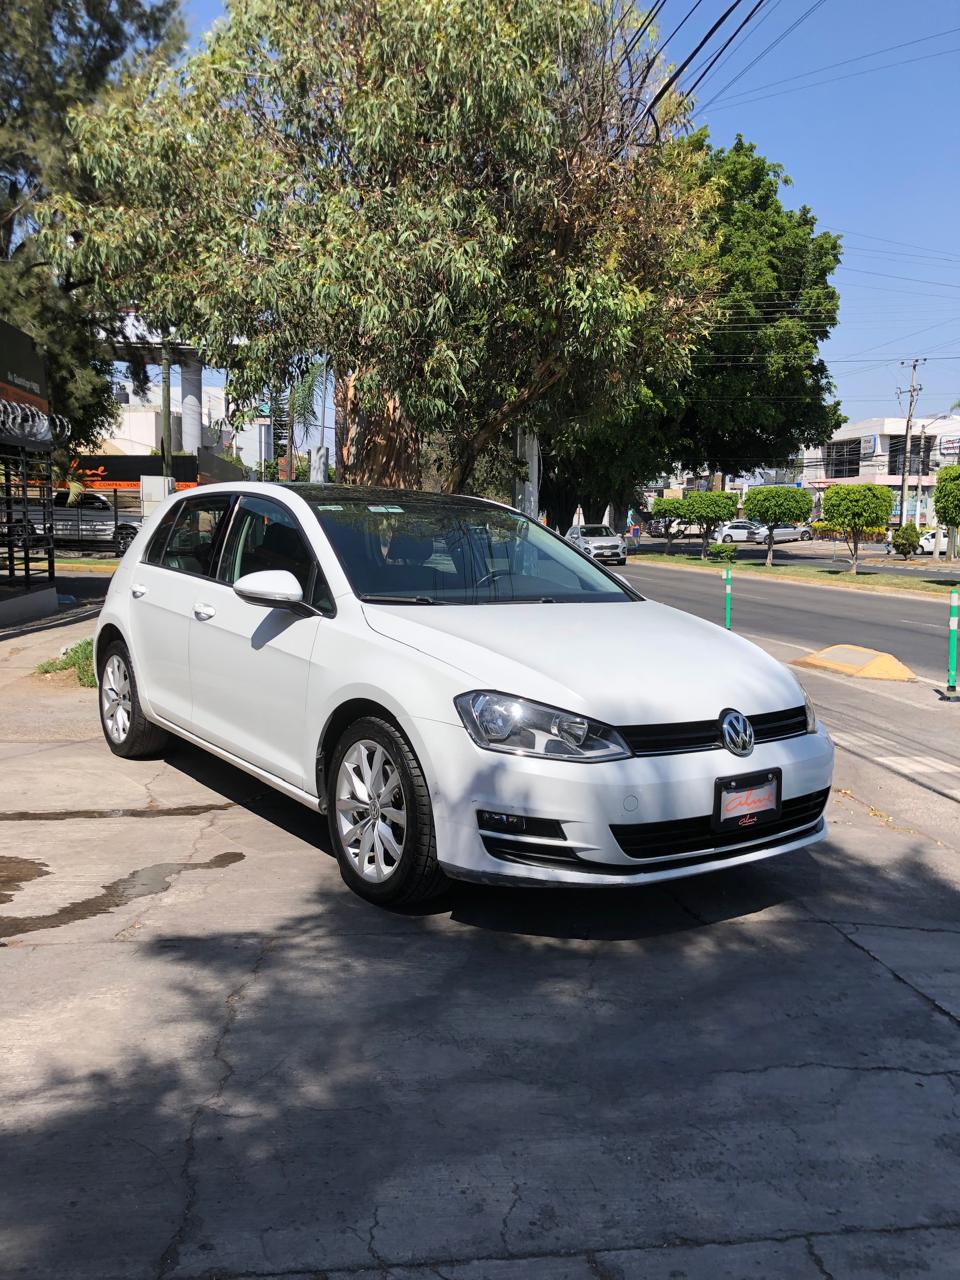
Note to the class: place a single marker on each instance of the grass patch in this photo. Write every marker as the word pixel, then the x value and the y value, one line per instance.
pixel 865 580
pixel 88 565
pixel 79 658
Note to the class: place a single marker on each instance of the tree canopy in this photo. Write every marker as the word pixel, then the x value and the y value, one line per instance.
pixel 467 207
pixel 757 390
pixel 854 508
pixel 773 504
pixel 58 54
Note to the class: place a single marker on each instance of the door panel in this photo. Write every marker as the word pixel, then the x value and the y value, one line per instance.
pixel 250 665
pixel 163 588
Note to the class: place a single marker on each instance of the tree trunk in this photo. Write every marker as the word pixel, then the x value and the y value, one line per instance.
pixel 856 553
pixel 770 550
pixel 951 543
pixel 381 449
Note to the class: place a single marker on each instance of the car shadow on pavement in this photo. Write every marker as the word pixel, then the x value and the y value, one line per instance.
pixel 608 913
pixel 352 1089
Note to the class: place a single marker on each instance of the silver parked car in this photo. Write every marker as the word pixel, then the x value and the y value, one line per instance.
pixel 90 520
pixel 739 531
pixel 786 533
pixel 599 541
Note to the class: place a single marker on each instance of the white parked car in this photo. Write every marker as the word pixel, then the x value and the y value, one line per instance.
pixel 928 542
pixel 599 541
pixel 739 531
pixel 423 670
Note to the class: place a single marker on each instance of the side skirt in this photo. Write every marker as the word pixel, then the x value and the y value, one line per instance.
pixel 287 788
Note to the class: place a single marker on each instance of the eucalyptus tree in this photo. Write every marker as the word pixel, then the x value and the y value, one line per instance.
pixel 470 207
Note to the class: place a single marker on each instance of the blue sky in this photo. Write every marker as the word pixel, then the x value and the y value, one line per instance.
pixel 876 156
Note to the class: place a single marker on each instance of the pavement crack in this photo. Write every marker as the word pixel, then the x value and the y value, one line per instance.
pixel 945 1074
pixel 929 1001
pixel 818 1261
pixel 170 1257
pixel 148 811
pixel 515 1187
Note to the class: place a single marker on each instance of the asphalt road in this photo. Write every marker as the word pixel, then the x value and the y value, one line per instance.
pixel 913 629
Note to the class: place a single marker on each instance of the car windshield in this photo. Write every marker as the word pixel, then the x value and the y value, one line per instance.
pixel 413 549
pixel 597 531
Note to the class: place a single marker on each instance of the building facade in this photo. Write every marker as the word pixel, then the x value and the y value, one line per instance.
pixel 872 452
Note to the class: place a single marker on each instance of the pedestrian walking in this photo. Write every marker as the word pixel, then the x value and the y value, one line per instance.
pixel 888 540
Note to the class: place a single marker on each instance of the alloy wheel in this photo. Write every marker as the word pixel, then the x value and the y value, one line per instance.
pixel 371 812
pixel 115 700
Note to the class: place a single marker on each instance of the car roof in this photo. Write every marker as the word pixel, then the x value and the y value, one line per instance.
pixel 334 493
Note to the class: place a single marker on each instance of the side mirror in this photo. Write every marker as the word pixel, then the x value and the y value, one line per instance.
pixel 273 588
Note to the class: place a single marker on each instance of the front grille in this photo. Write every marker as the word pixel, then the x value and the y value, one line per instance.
pixel 704 735
pixel 656 841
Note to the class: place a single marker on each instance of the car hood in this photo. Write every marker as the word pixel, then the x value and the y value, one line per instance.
pixel 630 663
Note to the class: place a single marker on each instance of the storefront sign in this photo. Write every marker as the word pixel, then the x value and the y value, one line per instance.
pixel 23 379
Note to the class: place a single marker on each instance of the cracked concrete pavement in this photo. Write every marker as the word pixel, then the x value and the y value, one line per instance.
pixel 217 1063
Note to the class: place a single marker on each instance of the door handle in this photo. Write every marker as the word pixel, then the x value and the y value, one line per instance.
pixel 204 611
pixel 136 590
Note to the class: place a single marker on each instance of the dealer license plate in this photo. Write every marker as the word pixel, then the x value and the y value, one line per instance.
pixel 747 800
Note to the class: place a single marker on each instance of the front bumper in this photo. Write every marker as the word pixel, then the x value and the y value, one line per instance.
pixel 587 800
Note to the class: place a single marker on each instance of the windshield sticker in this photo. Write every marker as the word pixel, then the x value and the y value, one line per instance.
pixel 389 510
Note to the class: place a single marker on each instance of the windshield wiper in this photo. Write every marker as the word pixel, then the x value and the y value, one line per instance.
pixel 370 598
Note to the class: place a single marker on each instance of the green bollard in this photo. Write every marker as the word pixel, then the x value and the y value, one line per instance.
pixel 952 647
pixel 728 591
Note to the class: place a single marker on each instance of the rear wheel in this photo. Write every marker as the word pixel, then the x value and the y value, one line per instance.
pixel 381 818
pixel 728 537
pixel 806 535
pixel 127 730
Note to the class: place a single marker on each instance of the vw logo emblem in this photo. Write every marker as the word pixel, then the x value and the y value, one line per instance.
pixel 737 732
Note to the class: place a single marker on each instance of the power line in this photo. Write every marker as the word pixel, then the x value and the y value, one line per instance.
pixel 680 25
pixel 672 79
pixel 885 275
pixel 763 52
pixel 904 244
pixel 719 54
pixel 851 75
pixel 768 14
pixel 830 66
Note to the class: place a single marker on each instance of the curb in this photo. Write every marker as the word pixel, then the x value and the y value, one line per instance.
pixel 856 660
pixel 930 597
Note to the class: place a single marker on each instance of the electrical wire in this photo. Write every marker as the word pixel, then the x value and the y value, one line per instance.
pixel 852 75
pixel 830 66
pixel 723 62
pixel 679 27
pixel 713 61
pixel 763 52
pixel 675 76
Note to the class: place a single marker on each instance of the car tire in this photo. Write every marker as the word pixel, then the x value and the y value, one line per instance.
pixel 127 730
pixel 728 537
pixel 806 536
pixel 622 561
pixel 124 539
pixel 392 863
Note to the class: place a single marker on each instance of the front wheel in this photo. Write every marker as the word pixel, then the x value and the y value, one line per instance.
pixel 381 818
pixel 124 538
pixel 127 730
pixel 805 537
pixel 728 537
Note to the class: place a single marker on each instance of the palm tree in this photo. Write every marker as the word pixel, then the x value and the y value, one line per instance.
pixel 302 407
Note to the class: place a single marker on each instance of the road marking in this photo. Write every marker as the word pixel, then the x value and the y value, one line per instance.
pixel 934 626
pixel 918 764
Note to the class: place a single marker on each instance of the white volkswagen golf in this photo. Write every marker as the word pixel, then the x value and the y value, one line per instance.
pixel 432 673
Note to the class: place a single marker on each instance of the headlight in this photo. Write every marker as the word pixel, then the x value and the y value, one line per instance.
pixel 811 714
pixel 500 722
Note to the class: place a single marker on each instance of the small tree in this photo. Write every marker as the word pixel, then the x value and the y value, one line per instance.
pixel 946 503
pixel 853 508
pixel 777 504
pixel 674 512
pixel 709 510
pixel 906 539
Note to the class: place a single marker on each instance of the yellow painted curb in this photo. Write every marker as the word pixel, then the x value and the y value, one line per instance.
pixel 854 660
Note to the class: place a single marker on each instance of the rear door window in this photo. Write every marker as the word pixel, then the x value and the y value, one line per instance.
pixel 192 541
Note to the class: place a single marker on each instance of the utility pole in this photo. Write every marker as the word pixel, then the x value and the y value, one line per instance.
pixel 166 435
pixel 915 390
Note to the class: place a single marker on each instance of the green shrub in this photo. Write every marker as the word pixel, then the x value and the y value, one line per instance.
pixel 722 551
pixel 906 540
pixel 79 657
